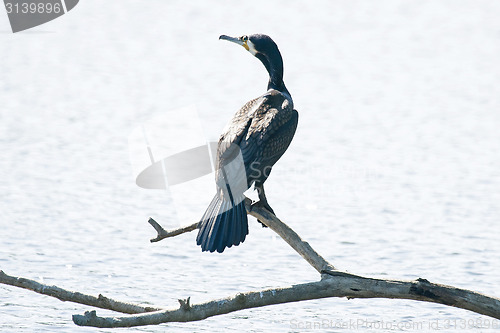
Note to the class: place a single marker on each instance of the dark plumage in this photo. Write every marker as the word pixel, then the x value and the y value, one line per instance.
pixel 251 143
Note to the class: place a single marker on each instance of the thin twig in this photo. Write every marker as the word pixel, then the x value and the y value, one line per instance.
pixel 162 233
pixel 72 296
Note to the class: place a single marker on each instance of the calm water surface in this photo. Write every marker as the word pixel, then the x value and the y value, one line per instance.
pixel 393 173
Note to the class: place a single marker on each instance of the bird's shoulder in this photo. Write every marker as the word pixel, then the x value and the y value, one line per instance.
pixel 274 110
pixel 263 115
pixel 275 99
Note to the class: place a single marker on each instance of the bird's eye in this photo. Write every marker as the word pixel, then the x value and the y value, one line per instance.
pixel 244 38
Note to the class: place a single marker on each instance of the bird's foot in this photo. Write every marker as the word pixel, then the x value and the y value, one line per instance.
pixel 263 204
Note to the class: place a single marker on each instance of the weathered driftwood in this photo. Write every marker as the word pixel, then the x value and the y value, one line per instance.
pixel 338 285
pixel 73 296
pixel 332 284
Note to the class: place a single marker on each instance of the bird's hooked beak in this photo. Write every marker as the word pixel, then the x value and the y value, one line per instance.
pixel 243 41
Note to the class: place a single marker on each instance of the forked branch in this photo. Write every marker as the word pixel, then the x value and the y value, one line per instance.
pixel 162 233
pixel 270 220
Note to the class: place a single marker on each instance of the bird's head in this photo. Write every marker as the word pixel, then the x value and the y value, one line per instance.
pixel 266 50
pixel 254 44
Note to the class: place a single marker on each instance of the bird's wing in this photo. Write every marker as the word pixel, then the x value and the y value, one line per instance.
pixel 230 165
pixel 236 130
pixel 271 130
pixel 256 137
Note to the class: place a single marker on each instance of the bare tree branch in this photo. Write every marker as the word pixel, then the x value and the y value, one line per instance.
pixel 341 285
pixel 291 237
pixel 162 233
pixel 270 220
pixel 72 296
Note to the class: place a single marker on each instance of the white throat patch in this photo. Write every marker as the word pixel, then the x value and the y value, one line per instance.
pixel 251 47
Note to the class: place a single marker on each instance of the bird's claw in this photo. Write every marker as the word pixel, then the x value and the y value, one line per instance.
pixel 262 204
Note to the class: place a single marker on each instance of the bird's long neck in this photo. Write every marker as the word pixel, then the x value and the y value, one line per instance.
pixel 274 66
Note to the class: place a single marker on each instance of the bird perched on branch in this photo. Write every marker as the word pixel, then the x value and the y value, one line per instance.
pixel 251 143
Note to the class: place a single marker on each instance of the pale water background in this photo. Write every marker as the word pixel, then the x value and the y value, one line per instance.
pixel 394 171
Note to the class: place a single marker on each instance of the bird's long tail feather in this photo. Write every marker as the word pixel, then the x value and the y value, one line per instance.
pixel 223 224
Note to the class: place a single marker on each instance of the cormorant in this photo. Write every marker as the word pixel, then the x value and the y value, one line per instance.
pixel 251 143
